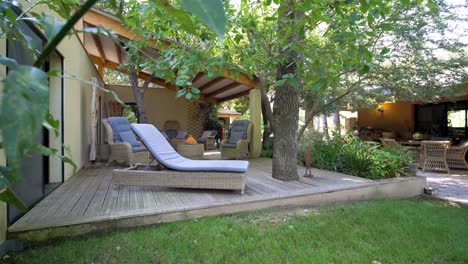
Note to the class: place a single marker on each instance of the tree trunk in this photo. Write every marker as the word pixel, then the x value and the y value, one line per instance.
pixel 137 93
pixel 286 106
pixel 325 127
pixel 336 122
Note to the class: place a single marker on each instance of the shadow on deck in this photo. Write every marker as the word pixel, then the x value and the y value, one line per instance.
pixel 88 202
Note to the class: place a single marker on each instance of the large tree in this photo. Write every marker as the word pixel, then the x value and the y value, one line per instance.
pixel 317 52
pixel 422 58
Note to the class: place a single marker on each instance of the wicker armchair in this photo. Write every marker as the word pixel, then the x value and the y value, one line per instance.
pixel 208 139
pixel 173 133
pixel 456 156
pixel 434 155
pixel 236 146
pixel 120 149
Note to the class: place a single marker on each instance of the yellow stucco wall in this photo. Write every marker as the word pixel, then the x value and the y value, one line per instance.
pixel 160 105
pixel 77 96
pixel 397 116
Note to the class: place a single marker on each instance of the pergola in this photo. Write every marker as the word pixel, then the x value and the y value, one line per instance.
pixel 105 52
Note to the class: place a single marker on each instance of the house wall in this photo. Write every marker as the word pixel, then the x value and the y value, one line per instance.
pixel 396 116
pixel 76 98
pixel 160 105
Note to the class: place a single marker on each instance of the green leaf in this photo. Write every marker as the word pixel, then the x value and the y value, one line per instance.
pixel 384 51
pixel 23 109
pixel 180 16
pixel 181 92
pixel 195 90
pixel 386 26
pixel 211 12
pixel 45 151
pixel 319 85
pixel 364 69
pixel 188 96
pixel 52 124
pixel 8 196
pixel 8 62
pixel 69 161
pixel 51 25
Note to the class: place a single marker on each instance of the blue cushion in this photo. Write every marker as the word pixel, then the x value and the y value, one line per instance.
pixel 228 145
pixel 236 136
pixel 129 137
pixel 239 126
pixel 119 124
pixel 138 149
pixel 165 135
pixel 171 133
pixel 181 134
pixel 165 153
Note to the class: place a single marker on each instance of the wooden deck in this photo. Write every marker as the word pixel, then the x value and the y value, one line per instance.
pixel 89 202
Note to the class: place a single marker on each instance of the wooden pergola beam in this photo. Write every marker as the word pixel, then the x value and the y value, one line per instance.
pixel 118 48
pixel 242 78
pixel 234 96
pixel 222 90
pixel 211 83
pixel 98 44
pixel 143 76
pixel 197 77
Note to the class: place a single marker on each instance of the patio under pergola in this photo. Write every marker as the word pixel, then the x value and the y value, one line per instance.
pixel 106 53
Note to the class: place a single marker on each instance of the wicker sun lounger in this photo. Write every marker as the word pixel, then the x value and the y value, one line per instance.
pixel 181 172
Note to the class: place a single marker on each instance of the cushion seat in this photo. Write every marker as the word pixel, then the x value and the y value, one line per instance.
pixel 165 154
pixel 228 145
pixel 138 149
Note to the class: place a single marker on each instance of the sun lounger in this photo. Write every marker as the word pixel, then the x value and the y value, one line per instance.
pixel 181 172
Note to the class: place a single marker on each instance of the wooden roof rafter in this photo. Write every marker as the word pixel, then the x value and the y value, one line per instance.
pixel 211 90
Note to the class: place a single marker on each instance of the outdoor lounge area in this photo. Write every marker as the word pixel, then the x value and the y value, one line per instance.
pixel 228 131
pixel 89 202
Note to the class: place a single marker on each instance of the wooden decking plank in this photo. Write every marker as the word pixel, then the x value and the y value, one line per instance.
pixel 95 206
pixel 283 185
pixel 56 194
pixel 148 197
pixel 269 188
pixel 123 201
pixel 136 198
pixel 80 207
pixel 160 198
pixel 72 197
pixel 259 188
pixel 173 199
pixel 64 206
pixel 110 202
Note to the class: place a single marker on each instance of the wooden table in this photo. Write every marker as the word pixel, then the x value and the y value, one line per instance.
pixel 191 151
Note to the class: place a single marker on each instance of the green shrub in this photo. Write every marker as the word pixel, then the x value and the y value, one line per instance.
pixel 352 156
pixel 267 150
pixel 356 157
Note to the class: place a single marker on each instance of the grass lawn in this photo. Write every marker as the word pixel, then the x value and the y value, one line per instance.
pixel 408 231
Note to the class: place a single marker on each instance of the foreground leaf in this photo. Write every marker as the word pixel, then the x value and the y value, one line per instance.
pixel 211 12
pixel 24 106
pixel 7 195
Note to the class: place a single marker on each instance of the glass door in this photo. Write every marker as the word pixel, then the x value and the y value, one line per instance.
pixel 457 121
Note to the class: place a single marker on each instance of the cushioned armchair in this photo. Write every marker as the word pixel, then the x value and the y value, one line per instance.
pixel 173 133
pixel 124 147
pixel 237 144
pixel 208 139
